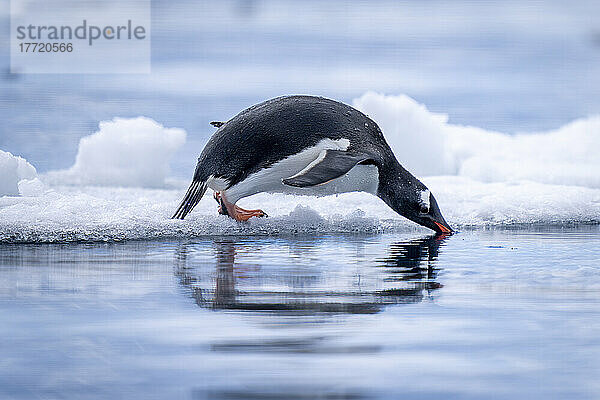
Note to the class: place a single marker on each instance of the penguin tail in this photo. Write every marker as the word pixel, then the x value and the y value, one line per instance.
pixel 191 198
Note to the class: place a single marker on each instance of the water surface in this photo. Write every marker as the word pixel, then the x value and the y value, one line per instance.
pixel 504 314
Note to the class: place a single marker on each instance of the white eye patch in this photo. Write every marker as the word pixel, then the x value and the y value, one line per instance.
pixel 424 199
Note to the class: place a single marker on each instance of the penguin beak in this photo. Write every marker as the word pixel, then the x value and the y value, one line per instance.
pixel 442 228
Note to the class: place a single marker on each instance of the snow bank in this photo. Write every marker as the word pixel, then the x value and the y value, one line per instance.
pixel 16 175
pixel 107 214
pixel 426 144
pixel 124 152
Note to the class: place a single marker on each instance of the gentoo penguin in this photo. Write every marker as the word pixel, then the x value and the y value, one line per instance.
pixel 305 145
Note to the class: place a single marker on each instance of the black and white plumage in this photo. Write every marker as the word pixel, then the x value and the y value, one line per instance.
pixel 305 145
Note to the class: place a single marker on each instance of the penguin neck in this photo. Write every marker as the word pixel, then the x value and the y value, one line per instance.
pixel 396 184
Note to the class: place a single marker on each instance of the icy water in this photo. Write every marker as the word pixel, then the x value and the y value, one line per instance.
pixel 504 314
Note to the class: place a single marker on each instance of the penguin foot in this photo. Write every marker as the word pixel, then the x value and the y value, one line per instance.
pixel 235 212
pixel 222 209
pixel 245 215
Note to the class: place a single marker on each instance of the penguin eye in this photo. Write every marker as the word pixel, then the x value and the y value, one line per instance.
pixel 424 209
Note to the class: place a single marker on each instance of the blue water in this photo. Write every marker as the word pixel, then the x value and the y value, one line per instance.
pixel 482 314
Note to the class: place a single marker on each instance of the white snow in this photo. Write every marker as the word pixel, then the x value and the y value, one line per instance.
pixel 100 213
pixel 13 170
pixel 426 144
pixel 123 152
pixel 31 187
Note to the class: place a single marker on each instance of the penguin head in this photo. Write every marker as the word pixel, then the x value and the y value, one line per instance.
pixel 414 201
pixel 427 213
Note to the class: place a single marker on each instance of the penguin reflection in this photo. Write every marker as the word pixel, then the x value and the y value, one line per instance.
pixel 414 261
pixel 409 275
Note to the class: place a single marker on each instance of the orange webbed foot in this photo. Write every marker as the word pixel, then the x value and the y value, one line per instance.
pixel 235 212
pixel 245 215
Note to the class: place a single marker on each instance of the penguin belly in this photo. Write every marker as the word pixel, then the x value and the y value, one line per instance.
pixel 361 178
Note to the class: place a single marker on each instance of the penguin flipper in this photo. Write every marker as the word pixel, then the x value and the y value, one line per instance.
pixel 329 165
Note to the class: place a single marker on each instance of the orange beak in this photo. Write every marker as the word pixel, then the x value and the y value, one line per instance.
pixel 443 228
